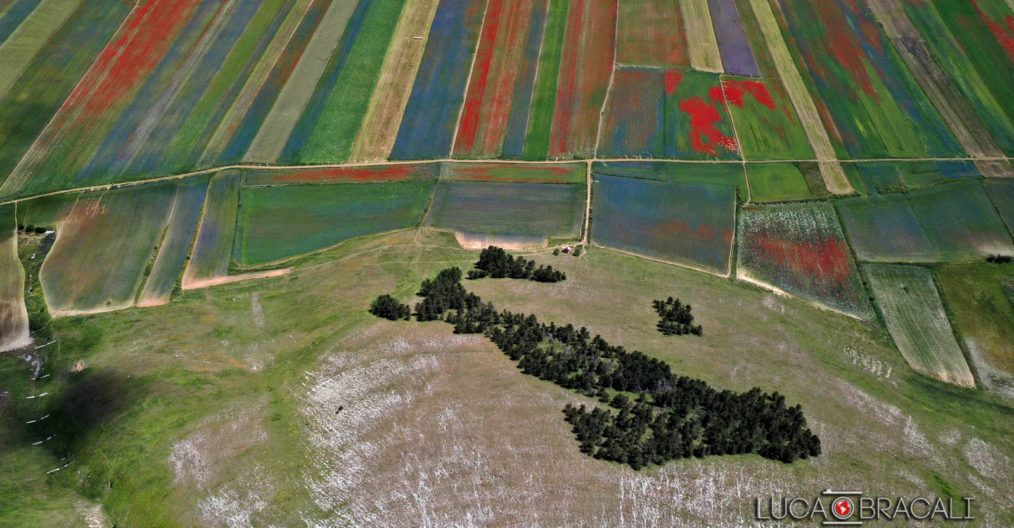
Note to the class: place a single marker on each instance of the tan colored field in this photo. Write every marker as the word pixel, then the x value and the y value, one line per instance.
pixel 260 73
pixel 483 241
pixel 13 315
pixel 383 116
pixel 281 120
pixel 704 54
pixel 834 176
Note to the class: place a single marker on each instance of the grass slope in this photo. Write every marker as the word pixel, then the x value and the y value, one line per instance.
pixel 203 433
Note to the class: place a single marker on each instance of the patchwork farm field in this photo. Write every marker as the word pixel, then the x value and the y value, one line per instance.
pixel 213 247
pixel 666 221
pixel 97 263
pixel 978 299
pixel 911 307
pixel 953 222
pixel 280 222
pixel 506 209
pixel 801 249
pixel 828 182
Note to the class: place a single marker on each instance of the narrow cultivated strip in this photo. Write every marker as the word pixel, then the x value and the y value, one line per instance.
pixel 331 120
pixel 387 104
pixel 524 88
pixel 176 246
pixel 280 121
pixel 213 249
pixel 832 172
pixel 148 108
pixel 78 129
pixel 267 97
pixel 737 58
pixel 13 314
pixel 704 54
pixel 428 125
pixel 233 118
pixel 498 61
pixel 18 50
pixel 52 76
pixel 939 87
pixel 540 118
pixel 187 145
pixel 155 151
pixel 585 71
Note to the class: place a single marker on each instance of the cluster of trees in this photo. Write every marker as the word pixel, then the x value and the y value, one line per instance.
pixel 645 432
pixel 496 263
pixel 389 308
pixel 669 416
pixel 675 318
pixel 31 229
pixel 1000 259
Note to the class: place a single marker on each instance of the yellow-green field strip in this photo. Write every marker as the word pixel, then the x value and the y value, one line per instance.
pixel 239 107
pixel 281 120
pixel 832 172
pixel 701 41
pixel 13 314
pixel 390 97
pixel 31 35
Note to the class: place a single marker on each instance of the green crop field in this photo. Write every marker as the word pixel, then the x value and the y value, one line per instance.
pixel 276 223
pixel 496 208
pixel 910 304
pixel 777 182
pixel 977 299
pixel 95 232
pixel 213 247
pixel 960 221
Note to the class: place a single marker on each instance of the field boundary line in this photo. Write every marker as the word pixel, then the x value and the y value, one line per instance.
pixel 265 167
pixel 745 277
pixel 735 132
pixel 663 261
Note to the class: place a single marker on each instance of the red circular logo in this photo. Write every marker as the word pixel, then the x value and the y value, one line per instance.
pixel 842 508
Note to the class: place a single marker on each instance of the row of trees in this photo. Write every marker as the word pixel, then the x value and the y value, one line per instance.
pixel 675 318
pixel 669 417
pixel 496 263
pixel 999 259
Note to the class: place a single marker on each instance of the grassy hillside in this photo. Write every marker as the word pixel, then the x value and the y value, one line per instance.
pixel 271 400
